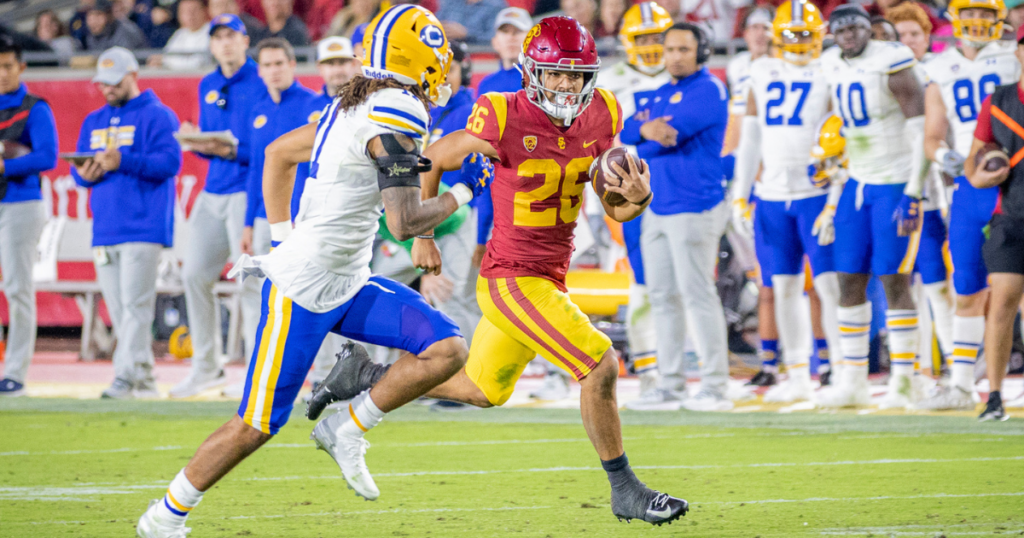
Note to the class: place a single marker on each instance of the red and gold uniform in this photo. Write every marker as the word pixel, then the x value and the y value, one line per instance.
pixel 537 192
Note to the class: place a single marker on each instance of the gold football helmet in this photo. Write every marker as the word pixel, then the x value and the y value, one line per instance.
pixel 798 31
pixel 407 43
pixel 829 152
pixel 977 30
pixel 643 19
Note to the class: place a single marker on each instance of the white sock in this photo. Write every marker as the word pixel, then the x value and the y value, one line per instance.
pixel 968 334
pixel 855 328
pixel 942 313
pixel 363 415
pixel 794 320
pixel 180 499
pixel 827 286
pixel 903 335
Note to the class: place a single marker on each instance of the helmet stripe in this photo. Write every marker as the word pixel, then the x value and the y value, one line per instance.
pixel 378 58
pixel 798 11
pixel 646 17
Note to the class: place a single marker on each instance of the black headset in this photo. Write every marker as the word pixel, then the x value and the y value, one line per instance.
pixel 703 45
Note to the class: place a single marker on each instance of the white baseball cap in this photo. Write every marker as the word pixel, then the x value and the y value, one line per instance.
pixel 114 64
pixel 516 16
pixel 330 48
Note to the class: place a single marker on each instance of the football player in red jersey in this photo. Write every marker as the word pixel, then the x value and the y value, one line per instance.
pixel 543 140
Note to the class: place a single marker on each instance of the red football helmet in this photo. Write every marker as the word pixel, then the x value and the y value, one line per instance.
pixel 561 44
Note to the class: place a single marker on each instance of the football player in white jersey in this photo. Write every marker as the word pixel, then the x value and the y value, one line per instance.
pixel 788 99
pixel 961 77
pixel 877 219
pixel 364 155
pixel 757 32
pixel 633 81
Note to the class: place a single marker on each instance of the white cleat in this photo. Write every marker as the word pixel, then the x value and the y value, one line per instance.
pixel 708 400
pixel 555 387
pixel 790 391
pixel 150 526
pixel 349 452
pixel 657 400
pixel 844 394
pixel 234 391
pixel 900 394
pixel 197 382
pixel 945 399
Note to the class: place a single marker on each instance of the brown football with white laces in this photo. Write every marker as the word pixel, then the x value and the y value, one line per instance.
pixel 601 172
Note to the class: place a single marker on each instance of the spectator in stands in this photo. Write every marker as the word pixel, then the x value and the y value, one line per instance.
pixel 318 19
pixel 281 22
pixel 77 25
pixel 356 13
pixel 882 7
pixel 610 18
pixel 717 16
pixel 189 47
pixel 357 41
pixel 882 29
pixel 1014 17
pixel 29 133
pixel 163 26
pixel 106 32
pixel 139 14
pixel 226 97
pixel 470 20
pixel 131 179
pixel 255 29
pixel 337 64
pixel 912 26
pixel 584 11
pixel 53 32
pixel 510 27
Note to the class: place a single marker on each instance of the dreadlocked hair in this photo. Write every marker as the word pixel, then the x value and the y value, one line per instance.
pixel 356 91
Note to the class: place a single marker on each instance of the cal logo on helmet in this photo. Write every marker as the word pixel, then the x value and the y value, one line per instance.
pixel 530 143
pixel 432 36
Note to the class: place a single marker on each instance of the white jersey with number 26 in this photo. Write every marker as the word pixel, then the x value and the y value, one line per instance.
pixel 878 149
pixel 791 102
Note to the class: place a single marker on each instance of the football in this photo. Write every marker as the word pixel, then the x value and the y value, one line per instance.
pixel 601 172
pixel 10 149
pixel 991 157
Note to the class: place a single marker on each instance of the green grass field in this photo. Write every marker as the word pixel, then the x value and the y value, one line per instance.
pixel 89 468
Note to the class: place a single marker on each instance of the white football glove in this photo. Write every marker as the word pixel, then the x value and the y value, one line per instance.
pixel 824 228
pixel 741 218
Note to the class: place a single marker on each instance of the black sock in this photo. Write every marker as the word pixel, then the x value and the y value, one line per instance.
pixel 630 497
pixel 994 398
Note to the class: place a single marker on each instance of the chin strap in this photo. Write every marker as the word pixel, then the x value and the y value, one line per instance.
pixel 914 131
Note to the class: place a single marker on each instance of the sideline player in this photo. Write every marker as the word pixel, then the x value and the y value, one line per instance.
pixel 961 78
pixel 788 99
pixel 560 125
pixel 318 279
pixel 877 221
pixel 633 81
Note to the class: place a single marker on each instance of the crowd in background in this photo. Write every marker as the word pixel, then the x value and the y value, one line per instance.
pixel 179 27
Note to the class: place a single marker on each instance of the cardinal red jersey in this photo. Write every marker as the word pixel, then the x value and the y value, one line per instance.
pixel 539 179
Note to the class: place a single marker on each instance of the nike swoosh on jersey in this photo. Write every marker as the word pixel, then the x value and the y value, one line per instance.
pixel 588 144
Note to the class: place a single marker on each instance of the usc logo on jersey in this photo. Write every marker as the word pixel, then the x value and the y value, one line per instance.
pixel 530 143
pixel 561 143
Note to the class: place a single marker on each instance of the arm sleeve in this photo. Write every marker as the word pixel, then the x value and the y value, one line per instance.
pixel 983 130
pixel 484 216
pixel 161 158
pixel 706 108
pixel 42 131
pixel 253 194
pixel 630 133
pixel 83 145
pixel 202 122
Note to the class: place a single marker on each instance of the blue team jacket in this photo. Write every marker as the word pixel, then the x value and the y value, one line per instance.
pixel 241 92
pixel 41 135
pixel 688 177
pixel 269 120
pixel 136 202
pixel 502 80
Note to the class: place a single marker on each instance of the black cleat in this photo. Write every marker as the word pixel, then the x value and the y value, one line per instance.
pixel 662 509
pixel 825 378
pixel 353 373
pixel 764 378
pixel 993 411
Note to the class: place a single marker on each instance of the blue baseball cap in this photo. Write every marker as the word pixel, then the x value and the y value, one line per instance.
pixel 227 20
pixel 358 33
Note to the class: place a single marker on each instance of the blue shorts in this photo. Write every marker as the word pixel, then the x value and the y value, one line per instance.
pixel 969 213
pixel 383 312
pixel 631 237
pixel 867 237
pixel 762 251
pixel 786 228
pixel 931 262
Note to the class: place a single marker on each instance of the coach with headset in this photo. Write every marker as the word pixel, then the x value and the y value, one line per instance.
pixel 679 130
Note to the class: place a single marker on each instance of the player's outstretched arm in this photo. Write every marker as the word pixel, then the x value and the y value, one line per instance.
pixel 635 188
pixel 447 154
pixel 399 166
pixel 282 158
